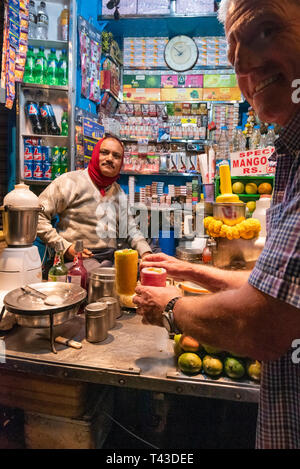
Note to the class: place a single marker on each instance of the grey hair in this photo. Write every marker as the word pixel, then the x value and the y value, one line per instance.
pixel 224 5
pixel 223 8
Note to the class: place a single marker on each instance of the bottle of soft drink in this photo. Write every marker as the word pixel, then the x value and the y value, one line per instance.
pixel 270 139
pixel 33 114
pixel 42 22
pixel 223 149
pixel 62 72
pixel 29 66
pixel 77 273
pixel 255 138
pixel 49 123
pixel 52 68
pixel 32 20
pixel 58 272
pixel 40 67
pixel 65 124
pixel 64 24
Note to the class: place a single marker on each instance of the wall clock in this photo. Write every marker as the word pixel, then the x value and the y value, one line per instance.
pixel 181 53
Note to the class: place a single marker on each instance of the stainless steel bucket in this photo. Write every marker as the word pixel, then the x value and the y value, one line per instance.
pixel 20 224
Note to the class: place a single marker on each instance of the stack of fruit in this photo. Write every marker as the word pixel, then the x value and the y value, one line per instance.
pixel 251 188
pixel 193 359
pixel 246 229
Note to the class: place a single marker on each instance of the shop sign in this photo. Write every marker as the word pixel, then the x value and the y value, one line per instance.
pixel 252 162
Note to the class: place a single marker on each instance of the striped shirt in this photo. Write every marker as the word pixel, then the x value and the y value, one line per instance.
pixel 277 273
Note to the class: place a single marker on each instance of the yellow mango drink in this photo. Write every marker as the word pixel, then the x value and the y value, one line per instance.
pixel 126 265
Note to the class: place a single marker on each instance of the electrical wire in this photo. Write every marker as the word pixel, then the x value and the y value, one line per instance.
pixel 128 431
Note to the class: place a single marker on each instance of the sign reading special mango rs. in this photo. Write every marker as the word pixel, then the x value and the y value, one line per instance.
pixel 252 162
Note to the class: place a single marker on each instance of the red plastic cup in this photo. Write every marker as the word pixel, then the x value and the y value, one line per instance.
pixel 154 277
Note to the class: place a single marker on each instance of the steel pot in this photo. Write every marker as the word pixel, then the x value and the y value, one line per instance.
pixel 30 311
pixel 229 213
pixel 102 283
pixel 20 224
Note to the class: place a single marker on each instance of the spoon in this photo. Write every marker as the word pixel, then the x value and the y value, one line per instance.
pixel 51 300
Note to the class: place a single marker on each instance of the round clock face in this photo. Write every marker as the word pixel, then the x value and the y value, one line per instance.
pixel 181 53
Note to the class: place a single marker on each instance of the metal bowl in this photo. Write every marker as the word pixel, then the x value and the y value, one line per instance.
pixel 30 311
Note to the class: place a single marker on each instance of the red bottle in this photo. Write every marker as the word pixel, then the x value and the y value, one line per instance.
pixel 77 273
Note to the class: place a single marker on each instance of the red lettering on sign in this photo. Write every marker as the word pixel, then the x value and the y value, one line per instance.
pixel 249 162
pixel 246 171
pixel 264 160
pixel 235 164
pixel 256 161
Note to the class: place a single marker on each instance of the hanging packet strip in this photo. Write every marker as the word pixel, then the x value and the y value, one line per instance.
pixel 23 44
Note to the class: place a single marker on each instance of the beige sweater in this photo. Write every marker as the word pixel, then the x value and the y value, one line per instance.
pixel 85 214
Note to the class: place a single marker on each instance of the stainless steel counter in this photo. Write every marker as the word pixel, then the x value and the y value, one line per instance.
pixel 133 355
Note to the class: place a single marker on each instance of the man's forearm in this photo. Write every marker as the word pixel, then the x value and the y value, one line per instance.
pixel 240 321
pixel 214 279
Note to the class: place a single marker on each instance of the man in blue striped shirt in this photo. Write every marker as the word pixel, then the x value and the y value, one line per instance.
pixel 256 314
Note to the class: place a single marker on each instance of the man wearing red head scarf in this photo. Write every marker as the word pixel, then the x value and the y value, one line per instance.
pixel 85 200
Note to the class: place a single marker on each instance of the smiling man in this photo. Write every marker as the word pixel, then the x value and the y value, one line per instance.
pixel 84 201
pixel 254 314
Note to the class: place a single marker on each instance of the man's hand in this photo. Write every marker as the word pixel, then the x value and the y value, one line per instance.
pixel 175 268
pixel 151 302
pixel 70 253
pixel 146 254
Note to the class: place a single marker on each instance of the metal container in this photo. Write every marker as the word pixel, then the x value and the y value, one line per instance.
pixel 189 254
pixel 113 310
pixel 31 311
pixel 102 283
pixel 96 322
pixel 229 213
pixel 20 224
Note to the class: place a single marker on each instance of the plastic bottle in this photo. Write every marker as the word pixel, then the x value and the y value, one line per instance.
pixel 52 63
pixel 262 205
pixel 65 124
pixel 223 149
pixel 42 22
pixel 48 118
pixel 29 66
pixel 270 139
pixel 62 71
pixel 236 140
pixel 255 138
pixel 40 67
pixel 64 24
pixel 32 112
pixel 263 141
pixel 77 273
pixel 32 20
pixel 241 139
pixel 58 272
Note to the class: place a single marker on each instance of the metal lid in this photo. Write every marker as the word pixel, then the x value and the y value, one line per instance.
pixel 189 254
pixel 96 309
pixel 109 300
pixel 18 302
pixel 103 273
pixel 59 246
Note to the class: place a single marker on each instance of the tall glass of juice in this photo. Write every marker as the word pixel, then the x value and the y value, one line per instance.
pixel 126 264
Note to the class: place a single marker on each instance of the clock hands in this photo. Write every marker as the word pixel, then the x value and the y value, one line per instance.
pixel 179 53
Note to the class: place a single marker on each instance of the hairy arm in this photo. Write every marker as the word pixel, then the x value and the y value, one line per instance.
pixel 211 278
pixel 245 321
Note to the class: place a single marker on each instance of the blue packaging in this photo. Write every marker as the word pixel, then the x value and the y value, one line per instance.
pixel 28 152
pixel 47 171
pixel 38 170
pixel 37 153
pixel 28 169
pixel 46 152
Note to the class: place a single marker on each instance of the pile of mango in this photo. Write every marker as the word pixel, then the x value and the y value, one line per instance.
pixel 193 358
pixel 246 229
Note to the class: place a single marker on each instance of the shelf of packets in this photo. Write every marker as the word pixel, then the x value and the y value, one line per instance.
pixel 161 7
pixel 145 52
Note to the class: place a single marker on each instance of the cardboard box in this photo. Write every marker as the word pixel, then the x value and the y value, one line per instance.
pixel 181 94
pixel 221 94
pixel 141 94
pixel 220 81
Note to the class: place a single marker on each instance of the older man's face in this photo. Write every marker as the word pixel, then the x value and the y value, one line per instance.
pixel 264 47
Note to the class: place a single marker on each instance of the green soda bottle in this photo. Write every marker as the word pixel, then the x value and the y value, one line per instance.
pixel 29 66
pixel 58 272
pixel 62 72
pixel 64 124
pixel 52 68
pixel 40 67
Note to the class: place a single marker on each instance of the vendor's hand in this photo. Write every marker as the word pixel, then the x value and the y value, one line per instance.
pixel 70 253
pixel 151 302
pixel 174 267
pixel 146 254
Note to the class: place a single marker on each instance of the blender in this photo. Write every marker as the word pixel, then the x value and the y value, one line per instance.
pixel 20 262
